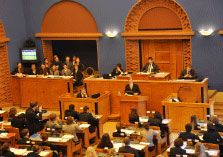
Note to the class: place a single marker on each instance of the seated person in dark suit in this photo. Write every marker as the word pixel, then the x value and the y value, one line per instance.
pixel 19 122
pixel 105 142
pixel 66 71
pixel 19 69
pixel 118 133
pixel 177 150
pixel 118 70
pixel 150 67
pixel 79 64
pixel 44 142
pixel 54 71
pixel 68 63
pixel 12 113
pixel 5 150
pixel 128 149
pixel 78 76
pixel 88 117
pixel 25 140
pixel 132 89
pixel 156 120
pixel 82 94
pixel 35 151
pixel 218 126
pixel 34 117
pixel 212 136
pixel 188 73
pixel 43 70
pixel 133 116
pixel 33 70
pixel 193 122
pixel 188 136
pixel 71 112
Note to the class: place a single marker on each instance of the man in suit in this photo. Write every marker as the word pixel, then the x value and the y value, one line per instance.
pixel 66 71
pixel 25 140
pixel 118 133
pixel 127 148
pixel 218 126
pixel 69 63
pixel 88 117
pixel 188 136
pixel 54 71
pixel 132 89
pixel 177 150
pixel 188 73
pixel 118 70
pixel 34 117
pixel 150 67
pixel 71 112
pixel 82 94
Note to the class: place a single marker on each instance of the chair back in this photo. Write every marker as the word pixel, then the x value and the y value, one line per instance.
pixel 211 146
pixel 13 130
pixel 126 154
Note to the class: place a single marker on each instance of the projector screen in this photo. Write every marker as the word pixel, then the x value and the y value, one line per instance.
pixel 29 54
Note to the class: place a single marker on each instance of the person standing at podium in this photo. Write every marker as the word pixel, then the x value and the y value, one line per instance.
pixel 132 88
pixel 150 67
pixel 188 73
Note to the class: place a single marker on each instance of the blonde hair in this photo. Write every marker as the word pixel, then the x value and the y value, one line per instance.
pixel 91 152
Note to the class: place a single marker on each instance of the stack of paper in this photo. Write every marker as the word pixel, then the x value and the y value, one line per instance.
pixel 137 146
pixel 68 136
pixel 1 111
pixel 54 139
pixel 84 126
pixel 4 135
pixel 212 152
pixel 166 121
pixel 44 153
pixel 128 132
pixel 190 151
pixel 143 120
pixel 18 151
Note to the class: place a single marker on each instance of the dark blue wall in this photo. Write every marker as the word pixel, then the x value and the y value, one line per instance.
pixel 110 14
pixel 12 17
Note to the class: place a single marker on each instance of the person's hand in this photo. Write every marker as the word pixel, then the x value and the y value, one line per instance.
pixel 135 94
pixel 40 108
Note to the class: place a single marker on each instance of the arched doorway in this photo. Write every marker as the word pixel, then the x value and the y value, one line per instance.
pixel 161 29
pixel 67 20
pixel 5 77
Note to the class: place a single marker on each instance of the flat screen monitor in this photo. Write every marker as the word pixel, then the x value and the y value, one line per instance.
pixel 29 55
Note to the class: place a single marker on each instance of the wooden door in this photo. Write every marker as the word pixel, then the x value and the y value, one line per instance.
pixel 167 54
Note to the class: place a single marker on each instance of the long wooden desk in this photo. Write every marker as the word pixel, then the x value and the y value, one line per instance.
pixel 156 91
pixel 44 90
pixel 99 106
pixel 180 112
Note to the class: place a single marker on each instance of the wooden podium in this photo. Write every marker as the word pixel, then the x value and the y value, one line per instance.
pixel 128 102
pixel 99 106
pixel 180 112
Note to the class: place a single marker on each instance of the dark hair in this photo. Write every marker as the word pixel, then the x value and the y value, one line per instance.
pixel 215 120
pixel 90 71
pixel 86 108
pixel 118 126
pixel 4 148
pixel 150 58
pixel 211 127
pixel 64 64
pixel 35 148
pixel 146 125
pixel 22 115
pixel 119 65
pixel 133 113
pixel 33 104
pixel 158 115
pixel 126 141
pixel 193 119
pixel 24 132
pixel 188 127
pixel 44 137
pixel 53 116
pixel 71 107
pixel 178 142
pixel 12 112
pixel 105 141
pixel 70 120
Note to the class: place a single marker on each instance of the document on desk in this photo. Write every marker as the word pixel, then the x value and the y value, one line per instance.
pixel 145 143
pixel 190 151
pixel 166 121
pixel 117 146
pixel 1 111
pixel 143 120
pixel 18 151
pixel 4 135
pixel 128 132
pixel 83 126
pixel 137 146
pixel 54 139
pixel 68 136
pixel 44 153
pixel 212 152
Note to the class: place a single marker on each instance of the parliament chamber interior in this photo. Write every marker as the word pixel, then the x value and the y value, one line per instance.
pixel 103 78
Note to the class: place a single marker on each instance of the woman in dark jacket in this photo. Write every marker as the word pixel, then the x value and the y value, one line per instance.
pixel 105 142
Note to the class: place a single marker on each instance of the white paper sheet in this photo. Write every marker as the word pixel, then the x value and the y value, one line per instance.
pixel 128 132
pixel 84 126
pixel 54 139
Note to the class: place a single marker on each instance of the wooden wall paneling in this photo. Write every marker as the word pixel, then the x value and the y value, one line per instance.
pixel 179 57
pixel 47 49
pixel 16 90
